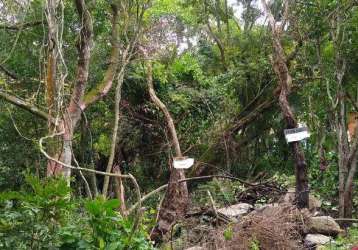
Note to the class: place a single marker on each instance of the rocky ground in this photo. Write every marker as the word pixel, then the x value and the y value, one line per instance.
pixel 279 225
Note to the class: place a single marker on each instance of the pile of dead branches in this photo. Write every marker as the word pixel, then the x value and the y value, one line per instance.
pixel 268 192
pixel 278 227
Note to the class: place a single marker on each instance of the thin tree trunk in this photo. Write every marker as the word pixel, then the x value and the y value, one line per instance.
pixel 119 189
pixel 352 162
pixel 115 130
pixel 345 168
pixel 280 67
pixel 125 56
pixel 176 198
pixel 342 156
pixel 93 180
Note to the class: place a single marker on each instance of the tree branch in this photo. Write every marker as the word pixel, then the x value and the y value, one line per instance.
pixel 354 104
pixel 163 108
pixel 8 72
pixel 23 104
pixel 19 26
pixel 126 54
pixel 103 88
pixel 245 118
pixel 285 15
pixel 114 139
pixel 258 111
pixel 219 44
pixel 84 53
pixel 294 53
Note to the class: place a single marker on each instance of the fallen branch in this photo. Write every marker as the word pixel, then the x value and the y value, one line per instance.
pixel 213 205
pixel 346 219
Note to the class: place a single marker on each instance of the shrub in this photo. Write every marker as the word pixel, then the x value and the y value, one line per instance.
pixel 43 216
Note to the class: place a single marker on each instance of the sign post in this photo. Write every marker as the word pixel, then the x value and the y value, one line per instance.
pixel 296 134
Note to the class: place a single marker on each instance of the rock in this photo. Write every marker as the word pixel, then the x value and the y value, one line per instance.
pixel 236 210
pixel 267 208
pixel 313 202
pixel 324 225
pixel 289 197
pixel 312 240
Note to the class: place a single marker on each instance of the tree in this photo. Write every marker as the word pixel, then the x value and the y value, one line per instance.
pixel 175 200
pixel 64 115
pixel 329 46
pixel 347 150
pixel 127 50
pixel 280 66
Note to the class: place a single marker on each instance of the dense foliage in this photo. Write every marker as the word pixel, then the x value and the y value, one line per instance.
pixel 43 216
pixel 213 68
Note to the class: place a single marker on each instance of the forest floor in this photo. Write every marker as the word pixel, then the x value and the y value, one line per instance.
pixel 260 216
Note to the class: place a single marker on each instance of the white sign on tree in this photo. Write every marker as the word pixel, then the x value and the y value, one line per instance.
pixel 183 162
pixel 296 134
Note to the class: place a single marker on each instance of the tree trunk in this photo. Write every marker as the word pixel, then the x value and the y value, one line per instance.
pixel 119 189
pixel 52 95
pixel 342 160
pixel 66 156
pixel 302 191
pixel 72 113
pixel 176 198
pixel 280 67
pixel 348 202
pixel 115 129
pixel 125 54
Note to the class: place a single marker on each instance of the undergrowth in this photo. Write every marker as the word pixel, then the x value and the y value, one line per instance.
pixel 43 216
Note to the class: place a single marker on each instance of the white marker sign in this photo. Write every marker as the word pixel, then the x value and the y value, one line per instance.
pixel 296 134
pixel 183 162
